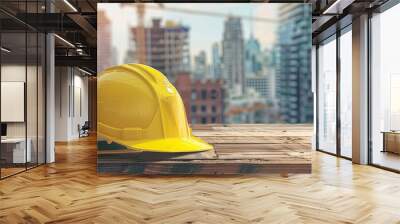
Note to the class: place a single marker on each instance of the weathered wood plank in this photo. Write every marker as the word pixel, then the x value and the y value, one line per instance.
pixel 220 168
pixel 153 156
pixel 257 139
pixel 251 133
pixel 239 149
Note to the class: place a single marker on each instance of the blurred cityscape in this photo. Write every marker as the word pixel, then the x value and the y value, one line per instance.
pixel 240 81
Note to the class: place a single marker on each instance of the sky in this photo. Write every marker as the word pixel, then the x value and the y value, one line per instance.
pixel 205 29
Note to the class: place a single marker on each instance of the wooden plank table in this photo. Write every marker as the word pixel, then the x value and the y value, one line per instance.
pixel 238 149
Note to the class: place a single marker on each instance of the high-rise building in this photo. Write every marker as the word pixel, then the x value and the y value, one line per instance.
pixel 260 83
pixel 253 56
pixel 294 73
pixel 270 60
pixel 105 53
pixel 216 63
pixel 200 68
pixel 203 99
pixel 167 47
pixel 233 55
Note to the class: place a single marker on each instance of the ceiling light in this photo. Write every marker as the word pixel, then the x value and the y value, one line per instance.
pixel 337 7
pixel 84 71
pixel 70 5
pixel 65 41
pixel 333 6
pixel 5 50
pixel 80 51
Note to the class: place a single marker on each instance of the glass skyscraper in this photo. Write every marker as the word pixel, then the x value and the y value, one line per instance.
pixel 294 70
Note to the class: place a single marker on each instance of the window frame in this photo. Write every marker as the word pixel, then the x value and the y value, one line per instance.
pixel 333 37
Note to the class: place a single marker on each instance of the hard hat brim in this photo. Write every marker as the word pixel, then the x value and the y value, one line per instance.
pixel 170 145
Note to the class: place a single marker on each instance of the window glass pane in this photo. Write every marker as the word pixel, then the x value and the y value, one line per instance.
pixel 327 97
pixel 22 89
pixel 13 87
pixel 32 83
pixel 386 89
pixel 31 97
pixel 346 93
pixel 41 98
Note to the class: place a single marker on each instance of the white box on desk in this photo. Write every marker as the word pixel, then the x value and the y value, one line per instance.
pixel 19 155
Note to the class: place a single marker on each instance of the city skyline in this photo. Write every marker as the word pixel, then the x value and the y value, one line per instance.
pixel 257 81
pixel 202 35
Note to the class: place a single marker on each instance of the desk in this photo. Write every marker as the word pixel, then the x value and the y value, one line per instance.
pixel 16 147
pixel 391 141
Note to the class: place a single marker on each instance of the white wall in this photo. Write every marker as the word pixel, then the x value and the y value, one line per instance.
pixel 12 73
pixel 33 126
pixel 71 102
pixel 62 81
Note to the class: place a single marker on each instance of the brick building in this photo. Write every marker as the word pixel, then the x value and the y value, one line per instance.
pixel 204 100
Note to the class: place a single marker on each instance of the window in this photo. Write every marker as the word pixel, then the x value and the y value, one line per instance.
pixel 203 108
pixel 346 94
pixel 213 108
pixel 194 94
pixel 203 94
pixel 214 94
pixel 213 119
pixel 385 89
pixel 327 96
pixel 194 108
pixel 22 65
pixel 203 120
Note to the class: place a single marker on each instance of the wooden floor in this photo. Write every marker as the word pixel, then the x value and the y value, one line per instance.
pixel 386 159
pixel 10 171
pixel 70 191
pixel 238 149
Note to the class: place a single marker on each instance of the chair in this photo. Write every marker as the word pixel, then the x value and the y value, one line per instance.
pixel 84 130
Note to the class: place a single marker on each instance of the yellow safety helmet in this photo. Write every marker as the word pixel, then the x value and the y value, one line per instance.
pixel 140 109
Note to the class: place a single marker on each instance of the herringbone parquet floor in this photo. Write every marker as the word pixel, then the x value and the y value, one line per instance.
pixel 70 191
